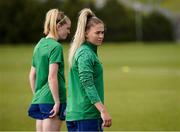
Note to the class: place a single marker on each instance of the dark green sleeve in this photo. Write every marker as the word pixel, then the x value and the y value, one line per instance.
pixel 85 68
pixel 55 55
pixel 33 59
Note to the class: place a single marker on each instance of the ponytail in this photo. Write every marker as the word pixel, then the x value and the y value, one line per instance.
pixel 79 36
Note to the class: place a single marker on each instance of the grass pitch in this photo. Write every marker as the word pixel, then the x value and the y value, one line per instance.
pixel 142 86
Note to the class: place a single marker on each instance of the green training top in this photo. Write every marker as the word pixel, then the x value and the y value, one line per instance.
pixel 46 52
pixel 85 84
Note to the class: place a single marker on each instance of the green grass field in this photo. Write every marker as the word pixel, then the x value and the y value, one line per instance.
pixel 142 86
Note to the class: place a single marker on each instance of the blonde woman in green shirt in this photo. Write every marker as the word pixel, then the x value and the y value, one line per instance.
pixel 47 74
pixel 85 102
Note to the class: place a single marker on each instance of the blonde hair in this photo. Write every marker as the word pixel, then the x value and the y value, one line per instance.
pixel 53 17
pixel 86 20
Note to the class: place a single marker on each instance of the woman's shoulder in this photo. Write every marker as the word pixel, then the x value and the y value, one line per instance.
pixel 83 52
pixel 52 44
pixel 83 49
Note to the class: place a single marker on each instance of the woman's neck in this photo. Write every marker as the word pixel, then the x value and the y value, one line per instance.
pixel 51 36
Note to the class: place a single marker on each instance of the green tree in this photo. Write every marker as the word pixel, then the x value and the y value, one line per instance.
pixel 119 20
pixel 156 27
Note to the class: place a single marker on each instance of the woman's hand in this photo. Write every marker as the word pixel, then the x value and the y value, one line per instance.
pixel 55 110
pixel 107 120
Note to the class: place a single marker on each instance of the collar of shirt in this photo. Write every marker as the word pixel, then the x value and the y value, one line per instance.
pixel 91 46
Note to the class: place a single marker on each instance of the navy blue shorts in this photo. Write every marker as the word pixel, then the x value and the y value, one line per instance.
pixel 42 111
pixel 85 125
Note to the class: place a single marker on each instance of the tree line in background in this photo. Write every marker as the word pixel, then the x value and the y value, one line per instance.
pixel 22 20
